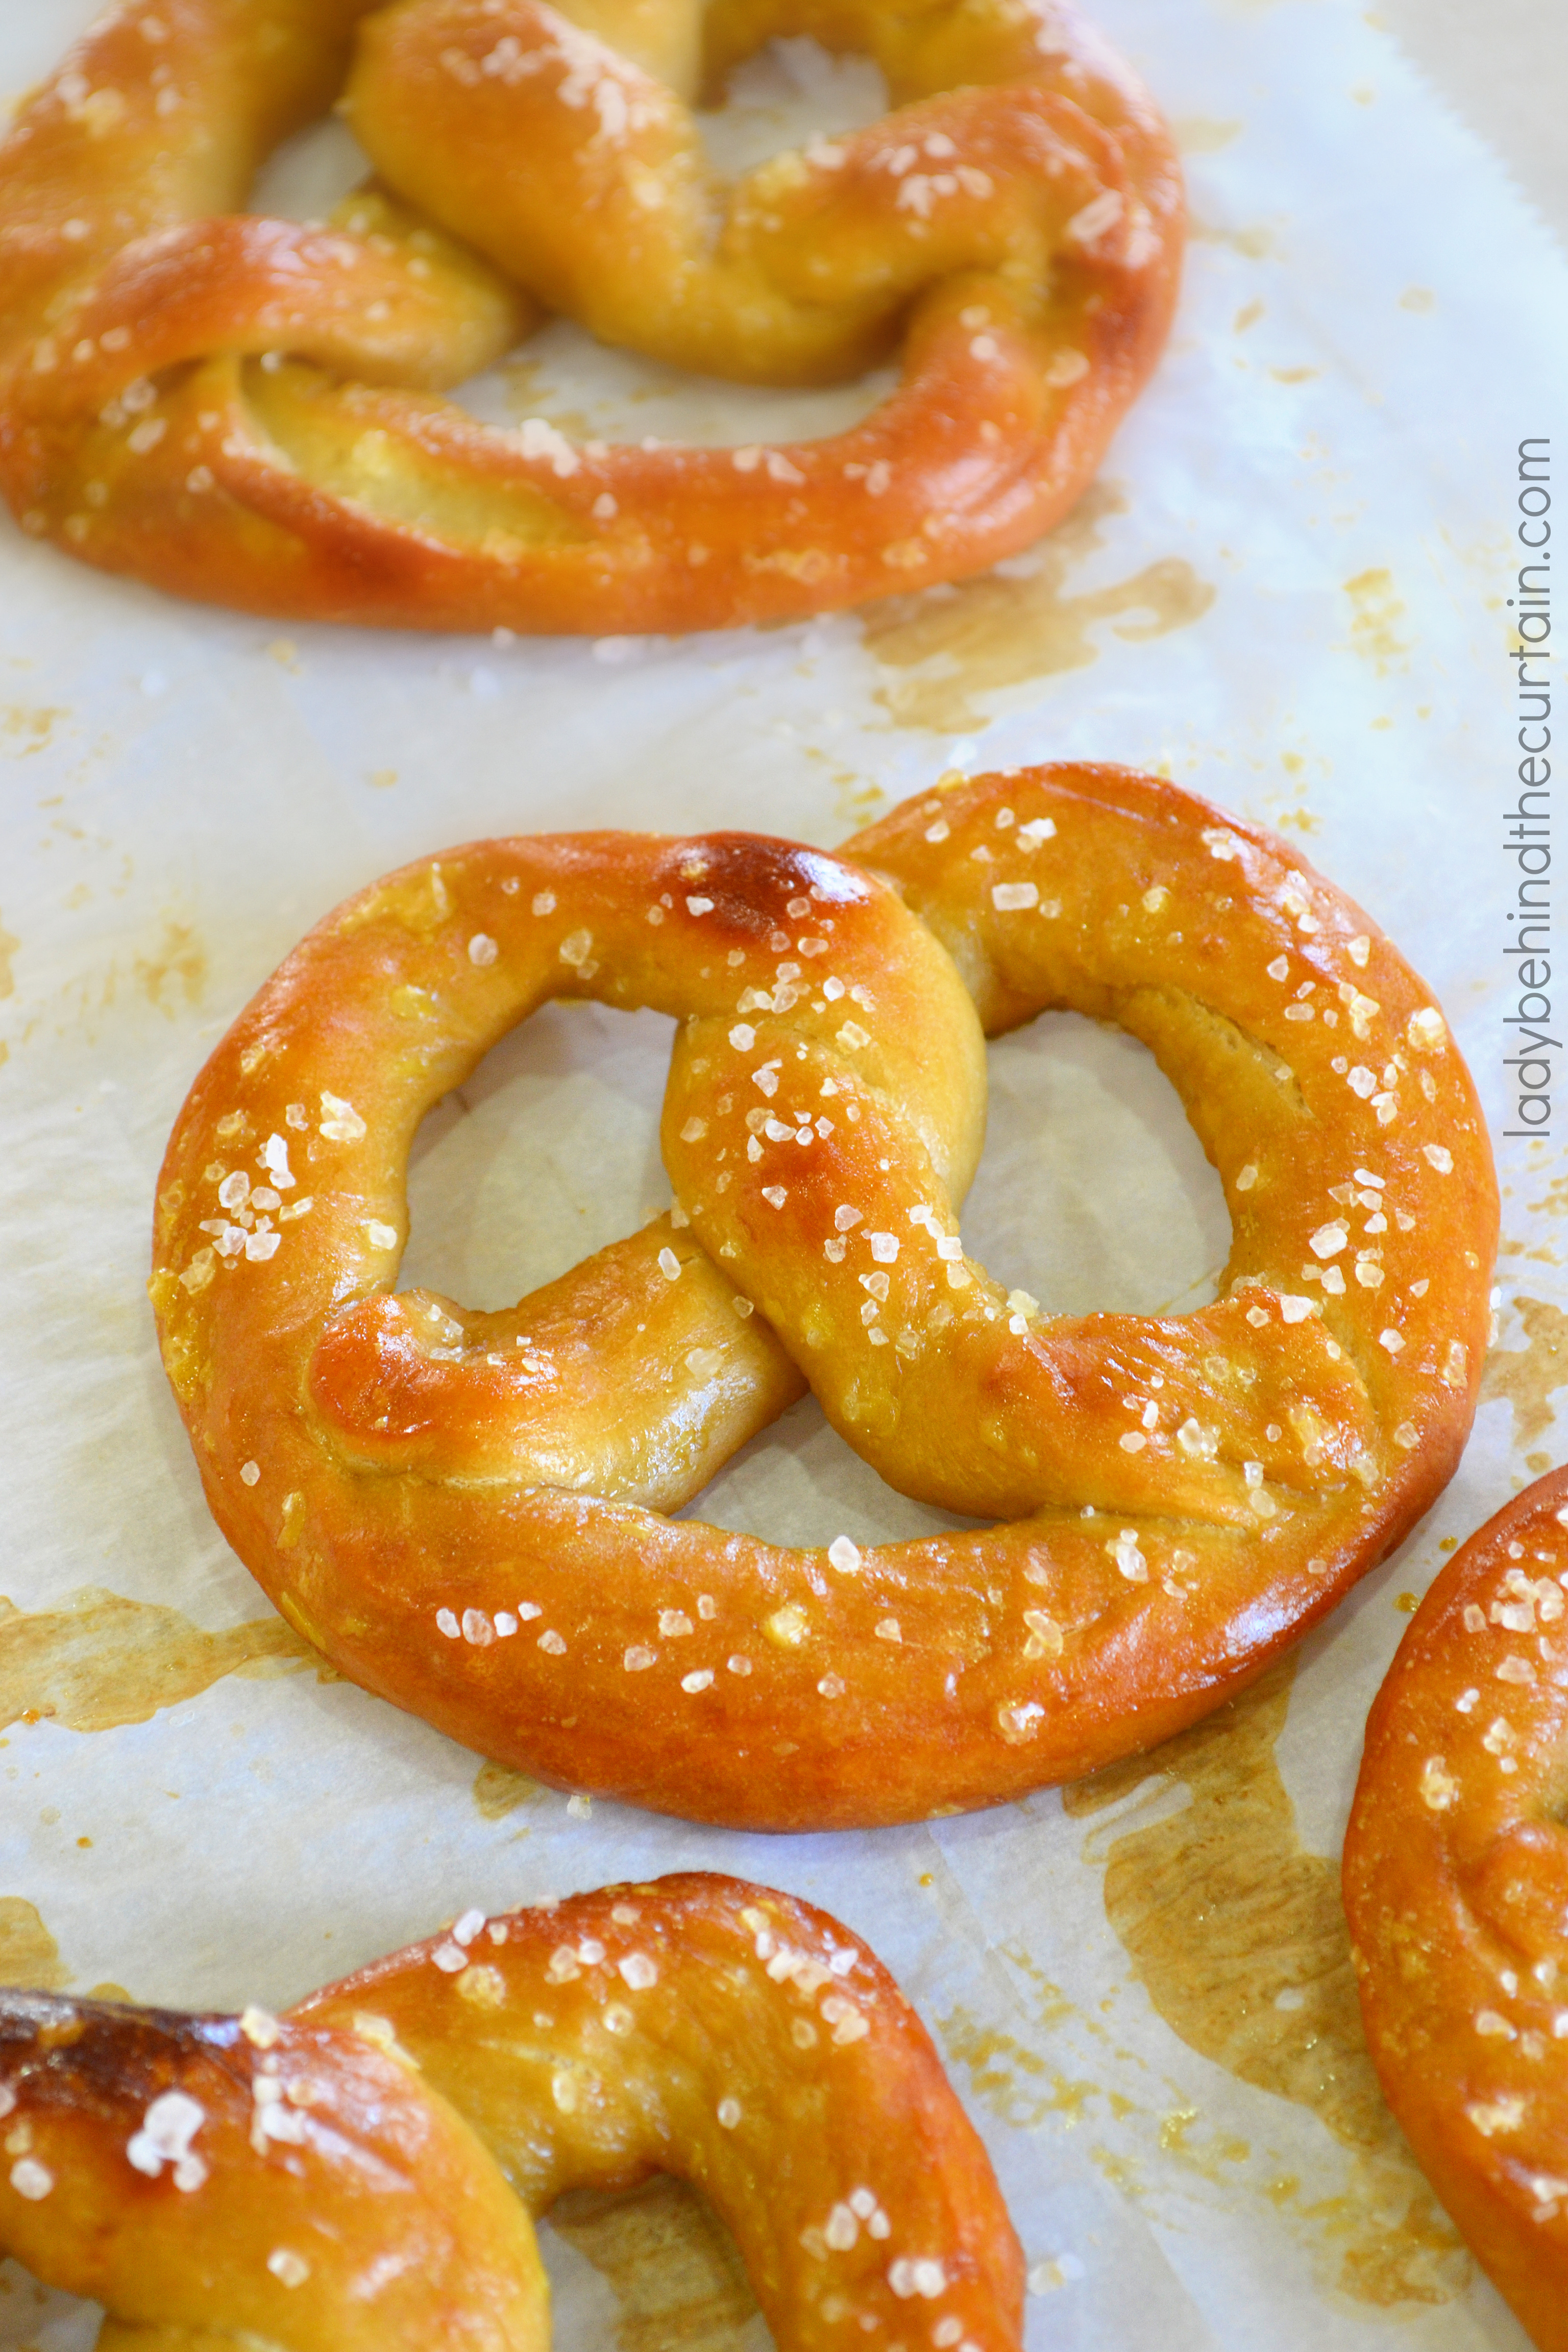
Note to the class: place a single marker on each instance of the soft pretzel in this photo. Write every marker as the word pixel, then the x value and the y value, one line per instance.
pixel 462 1509
pixel 1455 1880
pixel 242 410
pixel 359 2175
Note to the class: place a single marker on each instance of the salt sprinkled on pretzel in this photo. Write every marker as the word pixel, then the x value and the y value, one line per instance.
pixel 1455 1881
pixel 464 1510
pixel 241 410
pixel 359 2175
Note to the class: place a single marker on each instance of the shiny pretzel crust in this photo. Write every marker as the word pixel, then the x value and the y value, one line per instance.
pixel 464 1510
pixel 240 410
pixel 1455 1880
pixel 348 2176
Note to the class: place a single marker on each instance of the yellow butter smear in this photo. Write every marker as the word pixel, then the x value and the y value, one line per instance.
pixel 30 1955
pixel 1529 1376
pixel 1000 630
pixel 98 1660
pixel 1237 1935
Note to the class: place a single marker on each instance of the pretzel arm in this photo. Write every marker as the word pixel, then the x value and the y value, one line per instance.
pixel 102 155
pixel 1341 1123
pixel 118 2336
pixel 156 2165
pixel 618 1378
pixel 349 302
pixel 755 2049
pixel 605 208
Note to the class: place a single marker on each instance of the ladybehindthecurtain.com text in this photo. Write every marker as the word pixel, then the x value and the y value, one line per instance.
pixel 1528 825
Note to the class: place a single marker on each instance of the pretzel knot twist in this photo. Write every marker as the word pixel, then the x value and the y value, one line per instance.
pixel 359 2175
pixel 464 1510
pixel 1456 1882
pixel 239 409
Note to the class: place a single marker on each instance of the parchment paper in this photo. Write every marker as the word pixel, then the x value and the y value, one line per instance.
pixel 1288 591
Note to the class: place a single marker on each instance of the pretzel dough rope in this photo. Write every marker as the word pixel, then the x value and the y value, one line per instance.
pixel 1455 1883
pixel 425 1495
pixel 344 2177
pixel 237 409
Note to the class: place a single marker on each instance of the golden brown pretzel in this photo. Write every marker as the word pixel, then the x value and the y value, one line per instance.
pixel 1455 1880
pixel 241 409
pixel 358 2176
pixel 428 1497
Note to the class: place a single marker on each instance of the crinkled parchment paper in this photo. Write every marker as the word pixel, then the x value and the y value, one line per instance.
pixel 1288 591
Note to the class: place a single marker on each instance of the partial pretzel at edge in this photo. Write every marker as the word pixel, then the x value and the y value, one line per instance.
pixel 359 2175
pixel 1456 1886
pixel 240 410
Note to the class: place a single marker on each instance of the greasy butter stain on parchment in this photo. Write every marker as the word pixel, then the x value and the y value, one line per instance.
pixel 178 962
pixel 673 2267
pixel 26 727
pixel 1555 1201
pixel 527 393
pixel 30 1958
pixel 1004 628
pixel 1023 2088
pixel 1253 244
pixel 30 1955
pixel 98 1661
pixel 1541 1252
pixel 1239 1936
pixel 1019 2085
pixel 1200 134
pixel 1527 1376
pixel 498 1789
pixel 857 801
pixel 1377 613
pixel 9 943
